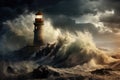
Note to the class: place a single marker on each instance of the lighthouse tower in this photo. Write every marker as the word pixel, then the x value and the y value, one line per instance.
pixel 38 38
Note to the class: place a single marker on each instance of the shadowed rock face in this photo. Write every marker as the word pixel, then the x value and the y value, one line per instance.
pixel 102 71
pixel 10 69
pixel 41 72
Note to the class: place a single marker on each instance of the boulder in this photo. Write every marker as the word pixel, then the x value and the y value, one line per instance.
pixel 41 72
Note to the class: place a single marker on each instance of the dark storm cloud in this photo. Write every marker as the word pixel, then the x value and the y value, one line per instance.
pixel 112 21
pixel 112 4
pixel 62 14
pixel 109 5
pixel 71 8
pixel 56 7
pixel 10 9
pixel 53 8
pixel 66 23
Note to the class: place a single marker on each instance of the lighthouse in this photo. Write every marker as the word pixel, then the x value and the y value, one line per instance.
pixel 38 26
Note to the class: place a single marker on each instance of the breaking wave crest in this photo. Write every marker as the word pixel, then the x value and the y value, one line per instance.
pixel 77 49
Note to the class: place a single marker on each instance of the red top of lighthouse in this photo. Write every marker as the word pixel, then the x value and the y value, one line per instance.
pixel 39 17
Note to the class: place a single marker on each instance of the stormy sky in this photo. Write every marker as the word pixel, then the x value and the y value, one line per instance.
pixel 100 17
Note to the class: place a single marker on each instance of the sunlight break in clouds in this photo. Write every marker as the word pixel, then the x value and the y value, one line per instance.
pixel 95 19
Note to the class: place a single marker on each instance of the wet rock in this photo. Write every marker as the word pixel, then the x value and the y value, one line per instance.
pixel 102 71
pixel 41 72
pixel 71 78
pixel 10 69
